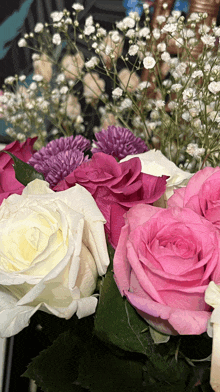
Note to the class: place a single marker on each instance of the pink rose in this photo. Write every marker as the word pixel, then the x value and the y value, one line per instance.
pixel 8 182
pixel 163 264
pixel 115 187
pixel 202 195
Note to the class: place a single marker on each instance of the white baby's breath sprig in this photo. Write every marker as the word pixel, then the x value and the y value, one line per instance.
pixel 92 62
pixel 22 43
pixel 117 93
pixel 39 28
pixel 56 39
pixel 56 16
pixel 78 7
pixel 149 62
pixel 177 106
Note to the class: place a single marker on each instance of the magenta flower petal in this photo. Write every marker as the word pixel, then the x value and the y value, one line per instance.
pixel 116 187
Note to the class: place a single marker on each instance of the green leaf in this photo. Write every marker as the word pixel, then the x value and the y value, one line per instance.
pixel 118 323
pixel 158 337
pixel 167 375
pixel 56 368
pixel 101 370
pixel 111 253
pixel 24 172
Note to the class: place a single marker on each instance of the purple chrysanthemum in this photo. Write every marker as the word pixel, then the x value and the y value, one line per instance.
pixel 60 157
pixel 63 164
pixel 118 142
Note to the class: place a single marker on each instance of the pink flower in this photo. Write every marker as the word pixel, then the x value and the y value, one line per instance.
pixel 8 182
pixel 115 187
pixel 202 195
pixel 163 263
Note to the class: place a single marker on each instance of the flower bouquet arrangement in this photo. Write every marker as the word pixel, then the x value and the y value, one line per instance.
pixel 110 246
pixel 112 268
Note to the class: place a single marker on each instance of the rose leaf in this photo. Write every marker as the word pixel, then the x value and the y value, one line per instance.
pixel 118 323
pixel 101 370
pixel 56 368
pixel 24 172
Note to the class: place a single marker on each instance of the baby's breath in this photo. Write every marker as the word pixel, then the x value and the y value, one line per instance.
pixel 129 77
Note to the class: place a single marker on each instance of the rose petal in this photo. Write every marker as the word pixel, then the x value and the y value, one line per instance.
pixel 13 318
pixel 184 322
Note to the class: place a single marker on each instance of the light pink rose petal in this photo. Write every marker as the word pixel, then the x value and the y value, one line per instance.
pixel 197 181
pixel 177 199
pixel 140 272
pixel 185 322
pixel 188 322
pixel 213 213
pixel 185 299
pixel 194 204
pixel 209 196
pixel 121 266
pixel 140 214
pixel 212 262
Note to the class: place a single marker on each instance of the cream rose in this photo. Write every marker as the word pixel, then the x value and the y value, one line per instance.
pixel 53 248
pixel 155 163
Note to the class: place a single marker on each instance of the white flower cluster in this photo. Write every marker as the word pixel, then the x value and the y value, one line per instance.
pixel 173 101
pixel 117 92
pixel 78 7
pixel 89 27
pixel 92 62
pixel 39 28
pixel 194 150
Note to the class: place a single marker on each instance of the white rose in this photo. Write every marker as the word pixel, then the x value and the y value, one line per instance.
pixel 53 248
pixel 155 163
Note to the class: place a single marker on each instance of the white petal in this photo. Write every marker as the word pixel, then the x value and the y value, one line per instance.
pixel 13 318
pixel 80 200
pixel 86 306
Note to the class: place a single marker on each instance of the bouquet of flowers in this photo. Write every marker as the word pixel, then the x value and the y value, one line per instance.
pixel 109 246
pixel 139 237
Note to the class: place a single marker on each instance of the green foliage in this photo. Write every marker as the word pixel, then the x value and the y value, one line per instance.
pixel 56 368
pixel 77 360
pixel 118 323
pixel 24 172
pixel 102 370
pixel 113 351
pixel 158 337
